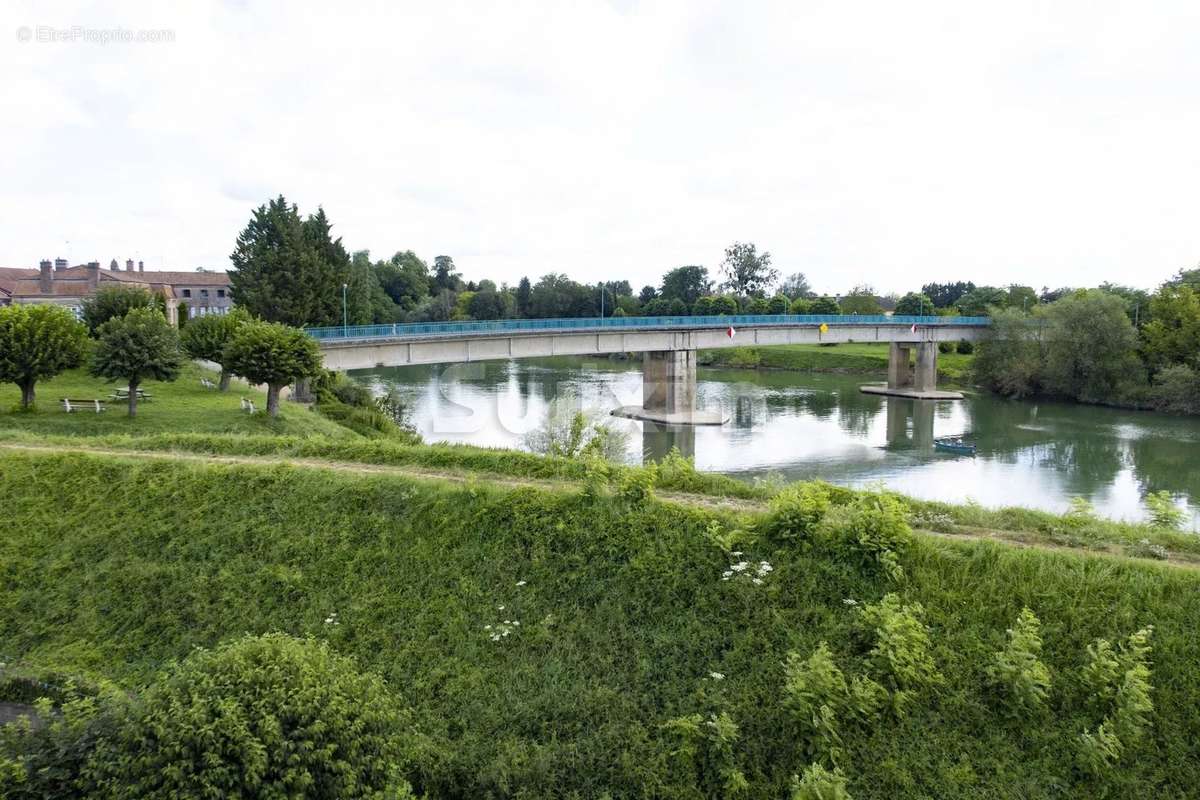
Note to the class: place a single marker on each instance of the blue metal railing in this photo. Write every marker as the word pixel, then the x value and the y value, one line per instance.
pixel 427 329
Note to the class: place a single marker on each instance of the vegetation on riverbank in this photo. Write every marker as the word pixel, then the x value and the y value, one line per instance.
pixel 553 644
pixel 850 358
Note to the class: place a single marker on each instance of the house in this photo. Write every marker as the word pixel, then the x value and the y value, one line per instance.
pixel 191 294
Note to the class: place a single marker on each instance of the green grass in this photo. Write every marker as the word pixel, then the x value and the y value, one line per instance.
pixel 114 567
pixel 852 358
pixel 181 405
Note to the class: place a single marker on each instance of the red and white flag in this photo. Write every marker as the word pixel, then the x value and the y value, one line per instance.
pixel 730 332
pixel 914 327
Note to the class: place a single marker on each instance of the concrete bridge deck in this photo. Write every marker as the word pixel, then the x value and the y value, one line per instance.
pixel 669 345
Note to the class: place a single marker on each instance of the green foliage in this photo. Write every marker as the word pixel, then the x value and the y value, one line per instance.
pixel 1017 670
pixel 1163 511
pixel 795 286
pixel 797 510
pixel 874 527
pixel 965 347
pixel 113 302
pixel 704 752
pixel 268 716
pixel 815 693
pixel 945 295
pixel 36 342
pixel 1089 347
pixel 818 783
pixel 915 304
pixel 861 300
pixel 688 284
pixel 567 433
pixel 946 348
pixel 206 338
pixel 778 304
pixel 801 305
pixel 289 270
pixel 1177 390
pixel 825 305
pixel 137 347
pixel 637 483
pixel 1009 360
pixel 746 271
pixel 274 354
pixel 901 654
pixel 1119 685
pixel 1173 332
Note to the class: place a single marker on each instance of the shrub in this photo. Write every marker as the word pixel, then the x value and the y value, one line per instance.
pixel 206 337
pixel 637 483
pixel 113 302
pixel 818 783
pixel 274 354
pixel 1177 390
pixel 814 691
pixel 1018 671
pixel 900 654
pixel 705 750
pixel 796 511
pixel 38 341
pixel 1163 511
pixel 268 716
pixel 875 527
pixel 1118 682
pixel 946 347
pixel 965 347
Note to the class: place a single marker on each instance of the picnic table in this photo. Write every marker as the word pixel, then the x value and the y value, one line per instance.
pixel 123 394
pixel 70 405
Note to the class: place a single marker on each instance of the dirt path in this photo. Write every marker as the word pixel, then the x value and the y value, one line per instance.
pixel 1014 538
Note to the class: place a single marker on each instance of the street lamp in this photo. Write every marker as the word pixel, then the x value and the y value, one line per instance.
pixel 602 300
pixel 345 317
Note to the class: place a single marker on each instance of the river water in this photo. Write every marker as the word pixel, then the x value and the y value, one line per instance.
pixel 800 425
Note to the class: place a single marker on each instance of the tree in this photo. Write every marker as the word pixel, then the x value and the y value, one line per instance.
pixel 445 276
pixel 795 286
pixel 915 305
pixel 555 295
pixel 685 283
pixel 288 270
pixel 1137 301
pixel 758 305
pixel 490 304
pixel 677 308
pixel 976 302
pixel 366 300
pixel 524 292
pixel 38 342
pixel 1186 277
pixel 705 306
pixel 274 354
pixel 267 716
pixel 801 305
pixel 1172 336
pixel 945 295
pixel 861 300
pixel 113 301
pixel 206 337
pixel 1089 347
pixel 1009 359
pixel 1022 297
pixel 724 305
pixel 136 347
pixel 779 304
pixel 746 272
pixel 647 294
pixel 405 279
pixel 825 305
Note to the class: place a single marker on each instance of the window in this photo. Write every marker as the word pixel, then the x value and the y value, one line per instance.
pixel 187 292
pixel 220 292
pixel 204 292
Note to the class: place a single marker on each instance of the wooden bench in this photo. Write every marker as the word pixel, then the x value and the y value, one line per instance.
pixel 81 405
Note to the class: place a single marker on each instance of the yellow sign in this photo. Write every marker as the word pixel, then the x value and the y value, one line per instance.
pixel 824 328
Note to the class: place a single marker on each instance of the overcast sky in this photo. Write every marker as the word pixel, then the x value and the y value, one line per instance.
pixel 1047 143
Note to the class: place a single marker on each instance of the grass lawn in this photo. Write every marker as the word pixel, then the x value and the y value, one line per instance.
pixel 181 405
pixel 855 357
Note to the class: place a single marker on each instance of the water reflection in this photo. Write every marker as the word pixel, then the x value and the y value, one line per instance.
pixel 1039 454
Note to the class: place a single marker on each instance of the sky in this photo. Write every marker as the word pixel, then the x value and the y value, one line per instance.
pixel 893 144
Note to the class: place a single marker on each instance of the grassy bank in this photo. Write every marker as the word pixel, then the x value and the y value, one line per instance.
pixel 115 567
pixel 180 405
pixel 852 358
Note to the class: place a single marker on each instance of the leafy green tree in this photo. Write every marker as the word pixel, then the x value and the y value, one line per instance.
pixel 705 306
pixel 976 302
pixel 1186 277
pixel 778 304
pixel 861 300
pixel 914 304
pixel 647 294
pixel 1173 334
pixel 268 716
pixel 113 301
pixel 945 295
pixel 445 276
pixel 795 286
pixel 677 308
pixel 1009 360
pixel 725 305
pixel 801 305
pixel 36 342
pixel 758 305
pixel 366 300
pixel 1137 301
pixel 206 338
pixel 524 294
pixel 274 354
pixel 405 279
pixel 138 346
pixel 825 305
pixel 288 270
pixel 555 295
pixel 747 272
pixel 491 304
pixel 1090 347
pixel 1177 390
pixel 688 284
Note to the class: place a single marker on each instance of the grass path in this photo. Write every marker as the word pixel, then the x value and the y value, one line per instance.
pixel 725 504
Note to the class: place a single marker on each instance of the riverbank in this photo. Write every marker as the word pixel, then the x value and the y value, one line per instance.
pixel 617 621
pixel 855 358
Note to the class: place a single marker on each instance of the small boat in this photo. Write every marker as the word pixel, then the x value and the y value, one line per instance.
pixel 954 444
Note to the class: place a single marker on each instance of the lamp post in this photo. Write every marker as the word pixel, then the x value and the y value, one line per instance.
pixel 345 317
pixel 602 300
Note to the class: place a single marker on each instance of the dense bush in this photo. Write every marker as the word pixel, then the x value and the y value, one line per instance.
pixel 874 527
pixel 1176 390
pixel 946 347
pixel 1118 682
pixel 818 783
pixel 796 511
pixel 704 755
pixel 268 716
pixel 965 347
pixel 900 650
pixel 1017 670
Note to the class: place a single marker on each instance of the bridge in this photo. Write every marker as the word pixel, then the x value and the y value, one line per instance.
pixel 668 345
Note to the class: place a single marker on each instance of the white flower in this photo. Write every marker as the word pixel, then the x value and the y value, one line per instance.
pixel 757 581
pixel 736 553
pixel 487 627
pixel 765 567
pixel 727 573
pixel 517 623
pixel 499 608
pixel 850 601
pixel 521 583
pixel 717 676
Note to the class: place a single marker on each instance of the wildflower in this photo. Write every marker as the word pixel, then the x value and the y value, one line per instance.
pixel 727 574
pixel 757 581
pixel 736 553
pixel 499 608
pixel 717 676
pixel 521 583
pixel 849 601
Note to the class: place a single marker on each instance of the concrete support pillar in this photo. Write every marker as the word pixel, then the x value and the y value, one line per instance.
pixel 900 375
pixel 669 381
pixel 925 376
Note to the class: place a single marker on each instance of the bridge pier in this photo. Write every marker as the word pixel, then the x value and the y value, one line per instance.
pixel 905 380
pixel 669 391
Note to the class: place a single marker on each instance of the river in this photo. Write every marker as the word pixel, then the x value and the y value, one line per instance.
pixel 800 425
